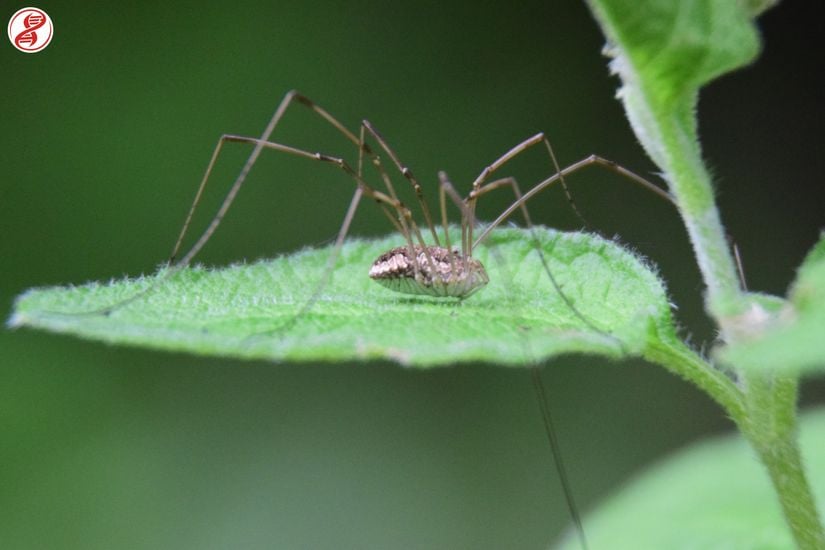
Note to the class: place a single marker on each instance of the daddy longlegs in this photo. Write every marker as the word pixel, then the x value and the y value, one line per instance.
pixel 416 267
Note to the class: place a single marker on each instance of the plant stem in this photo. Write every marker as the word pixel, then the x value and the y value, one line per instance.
pixel 679 359
pixel 769 420
pixel 765 411
pixel 662 67
pixel 770 427
pixel 660 97
pixel 766 408
pixel 690 183
pixel 769 417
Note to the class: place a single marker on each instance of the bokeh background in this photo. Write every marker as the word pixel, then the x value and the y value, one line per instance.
pixel 104 137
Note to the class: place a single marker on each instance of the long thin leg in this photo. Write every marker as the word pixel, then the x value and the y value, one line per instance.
pixel 507 157
pixel 511 181
pixel 405 224
pixel 592 160
pixel 384 201
pixel 446 188
pixel 443 184
pixel 402 222
pixel 558 177
pixel 468 215
pixel 260 145
pixel 555 449
pixel 493 185
pixel 333 258
pixel 550 431
pixel 407 173
pixel 276 117
pixel 288 99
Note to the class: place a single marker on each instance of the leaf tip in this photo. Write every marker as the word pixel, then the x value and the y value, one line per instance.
pixel 16 320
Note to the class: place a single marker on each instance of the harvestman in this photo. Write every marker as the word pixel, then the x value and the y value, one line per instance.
pixel 416 267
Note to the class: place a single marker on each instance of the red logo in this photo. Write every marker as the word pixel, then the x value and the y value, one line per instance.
pixel 30 30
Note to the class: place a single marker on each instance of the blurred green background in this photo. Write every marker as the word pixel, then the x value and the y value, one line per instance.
pixel 105 135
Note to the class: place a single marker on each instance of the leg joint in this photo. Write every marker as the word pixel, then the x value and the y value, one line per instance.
pixel 300 98
pixel 236 138
pixel 326 158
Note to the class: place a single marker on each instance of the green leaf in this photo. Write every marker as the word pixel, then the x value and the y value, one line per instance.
pixel 757 7
pixel 714 494
pixel 664 51
pixel 790 337
pixel 253 310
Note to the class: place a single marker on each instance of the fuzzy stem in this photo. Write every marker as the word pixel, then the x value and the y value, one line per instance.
pixel 690 184
pixel 769 418
pixel 660 99
pixel 678 358
pixel 771 429
pixel 765 412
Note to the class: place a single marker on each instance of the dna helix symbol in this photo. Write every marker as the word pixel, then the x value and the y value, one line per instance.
pixel 28 37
